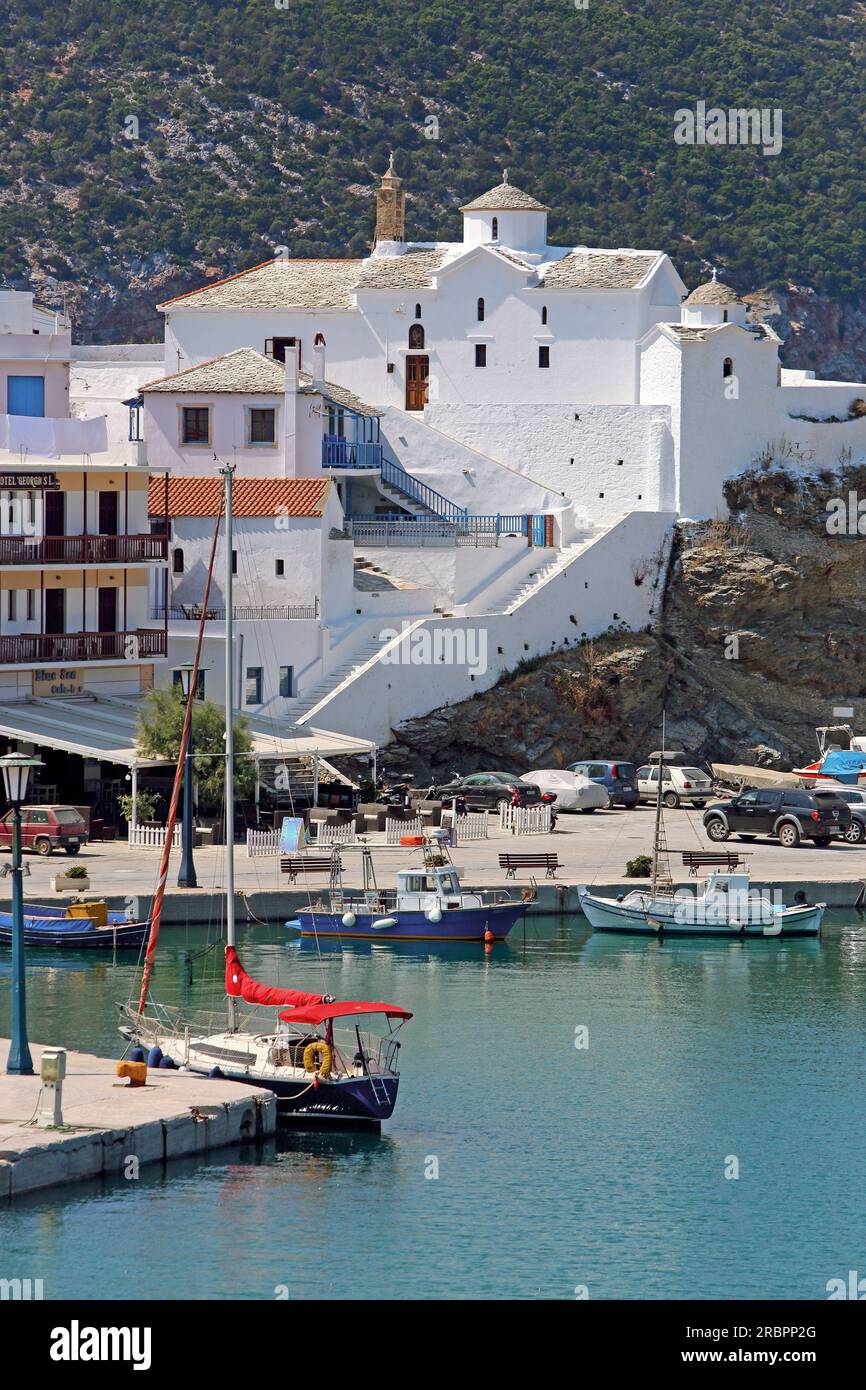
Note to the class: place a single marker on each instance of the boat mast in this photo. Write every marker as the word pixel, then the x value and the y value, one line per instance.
pixel 228 474
pixel 658 812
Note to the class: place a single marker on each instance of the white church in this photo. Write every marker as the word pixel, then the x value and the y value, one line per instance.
pixel 507 430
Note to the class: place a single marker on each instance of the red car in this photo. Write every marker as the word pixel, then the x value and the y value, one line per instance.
pixel 45 828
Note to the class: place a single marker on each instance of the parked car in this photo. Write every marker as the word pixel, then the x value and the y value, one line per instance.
pixel 789 814
pixel 617 777
pixel 678 784
pixel 46 828
pixel 572 792
pixel 487 791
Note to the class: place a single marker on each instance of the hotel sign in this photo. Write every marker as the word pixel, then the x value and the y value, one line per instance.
pixel 20 479
pixel 58 681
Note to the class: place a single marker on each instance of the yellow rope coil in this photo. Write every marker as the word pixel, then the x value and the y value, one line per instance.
pixel 318 1058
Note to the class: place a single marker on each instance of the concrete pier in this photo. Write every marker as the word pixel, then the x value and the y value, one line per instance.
pixel 106 1123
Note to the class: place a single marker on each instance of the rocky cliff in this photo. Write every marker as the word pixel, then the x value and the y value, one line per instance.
pixel 759 636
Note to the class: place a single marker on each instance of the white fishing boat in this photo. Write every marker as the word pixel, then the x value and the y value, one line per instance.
pixel 725 904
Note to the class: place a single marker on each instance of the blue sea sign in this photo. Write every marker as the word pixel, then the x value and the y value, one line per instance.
pixel 292 836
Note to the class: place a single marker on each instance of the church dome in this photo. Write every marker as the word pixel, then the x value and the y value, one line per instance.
pixel 713 292
pixel 504 198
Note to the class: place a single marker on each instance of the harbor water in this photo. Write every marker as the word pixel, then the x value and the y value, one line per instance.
pixel 578 1116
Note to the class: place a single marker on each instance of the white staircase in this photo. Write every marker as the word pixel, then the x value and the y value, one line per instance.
pixel 545 572
pixel 302 704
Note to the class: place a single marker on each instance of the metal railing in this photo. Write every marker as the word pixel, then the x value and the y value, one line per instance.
pixel 191 612
pixel 368 528
pixel 83 646
pixel 350 453
pixel 396 477
pixel 82 550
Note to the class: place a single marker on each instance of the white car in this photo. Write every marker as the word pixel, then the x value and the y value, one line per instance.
pixel 679 784
pixel 572 792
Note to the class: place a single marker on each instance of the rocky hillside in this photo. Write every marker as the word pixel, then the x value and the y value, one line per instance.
pixel 148 148
pixel 760 634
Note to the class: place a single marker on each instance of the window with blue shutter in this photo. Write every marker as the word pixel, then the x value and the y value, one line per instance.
pixel 25 395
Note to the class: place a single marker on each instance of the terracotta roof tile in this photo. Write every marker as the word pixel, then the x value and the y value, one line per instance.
pixel 251 496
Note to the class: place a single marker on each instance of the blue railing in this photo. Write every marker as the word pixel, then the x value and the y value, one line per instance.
pixel 349 453
pixel 461 524
pixel 398 478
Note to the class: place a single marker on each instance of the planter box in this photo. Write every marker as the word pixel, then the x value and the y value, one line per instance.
pixel 61 883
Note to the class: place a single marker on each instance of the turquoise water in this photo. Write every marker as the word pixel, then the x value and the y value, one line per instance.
pixel 558 1166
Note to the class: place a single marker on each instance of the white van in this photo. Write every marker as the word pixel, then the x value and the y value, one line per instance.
pixel 679 784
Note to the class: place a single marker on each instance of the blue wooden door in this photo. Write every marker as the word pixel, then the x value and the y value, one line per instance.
pixel 25 395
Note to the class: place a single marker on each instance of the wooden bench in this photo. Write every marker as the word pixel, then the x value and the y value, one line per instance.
pixel 512 862
pixel 711 859
pixel 303 864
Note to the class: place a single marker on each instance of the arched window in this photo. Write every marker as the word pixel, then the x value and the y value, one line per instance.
pixel 481 311
pixel 416 335
pixel 417 311
pixel 544 314
pixel 177 561
pixel 728 368
pixel 496 229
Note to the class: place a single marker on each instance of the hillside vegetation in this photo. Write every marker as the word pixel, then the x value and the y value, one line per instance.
pixel 261 125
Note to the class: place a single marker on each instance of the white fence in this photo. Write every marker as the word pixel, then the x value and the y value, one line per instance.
pixel 335 834
pixel 395 828
pixel 260 842
pixel 525 820
pixel 472 826
pixel 151 836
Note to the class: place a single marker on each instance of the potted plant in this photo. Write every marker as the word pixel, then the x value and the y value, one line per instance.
pixel 74 878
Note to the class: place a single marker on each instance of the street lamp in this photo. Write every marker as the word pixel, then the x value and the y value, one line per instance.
pixel 16 775
pixel 186 877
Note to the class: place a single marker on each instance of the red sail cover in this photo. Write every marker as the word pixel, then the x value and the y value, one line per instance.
pixel 243 986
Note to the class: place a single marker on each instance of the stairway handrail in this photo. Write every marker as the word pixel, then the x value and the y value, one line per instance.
pixel 441 506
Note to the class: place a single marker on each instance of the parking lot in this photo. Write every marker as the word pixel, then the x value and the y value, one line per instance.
pixel 591 849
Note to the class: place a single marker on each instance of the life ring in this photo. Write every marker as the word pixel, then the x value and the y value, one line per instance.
pixel 321 1051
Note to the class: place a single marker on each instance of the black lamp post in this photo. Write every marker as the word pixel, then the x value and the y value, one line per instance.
pixel 186 877
pixel 16 775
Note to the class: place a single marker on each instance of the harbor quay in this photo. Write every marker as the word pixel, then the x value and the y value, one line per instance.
pixel 111 1129
pixel 590 849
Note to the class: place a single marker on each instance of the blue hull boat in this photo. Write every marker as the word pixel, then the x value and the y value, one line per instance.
pixel 459 924
pixel 54 927
pixel 428 904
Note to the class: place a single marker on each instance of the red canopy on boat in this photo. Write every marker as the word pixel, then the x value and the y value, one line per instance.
pixel 243 986
pixel 320 1013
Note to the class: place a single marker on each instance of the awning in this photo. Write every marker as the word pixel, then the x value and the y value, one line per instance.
pixel 105 727
pixel 91 727
pixel 350 1008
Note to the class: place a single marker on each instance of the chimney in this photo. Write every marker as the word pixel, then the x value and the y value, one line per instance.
pixel 319 361
pixel 290 413
pixel 390 207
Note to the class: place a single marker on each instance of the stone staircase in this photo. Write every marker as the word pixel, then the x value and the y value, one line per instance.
pixel 531 583
pixel 371 578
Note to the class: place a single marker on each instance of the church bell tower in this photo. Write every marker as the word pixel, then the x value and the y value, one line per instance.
pixel 390 207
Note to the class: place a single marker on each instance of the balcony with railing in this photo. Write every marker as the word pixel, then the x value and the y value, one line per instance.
pixel 268 612
pixel 136 645
pixel 350 453
pixel 82 550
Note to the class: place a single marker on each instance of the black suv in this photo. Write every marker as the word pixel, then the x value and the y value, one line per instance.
pixel 790 814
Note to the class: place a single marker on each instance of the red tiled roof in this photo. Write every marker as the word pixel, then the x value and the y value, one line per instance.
pixel 250 496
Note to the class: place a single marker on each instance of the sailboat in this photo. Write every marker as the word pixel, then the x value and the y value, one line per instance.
pixel 724 905
pixel 317 1071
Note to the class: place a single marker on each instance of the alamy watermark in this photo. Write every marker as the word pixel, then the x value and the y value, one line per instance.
pixel 739 125
pixel 447 646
